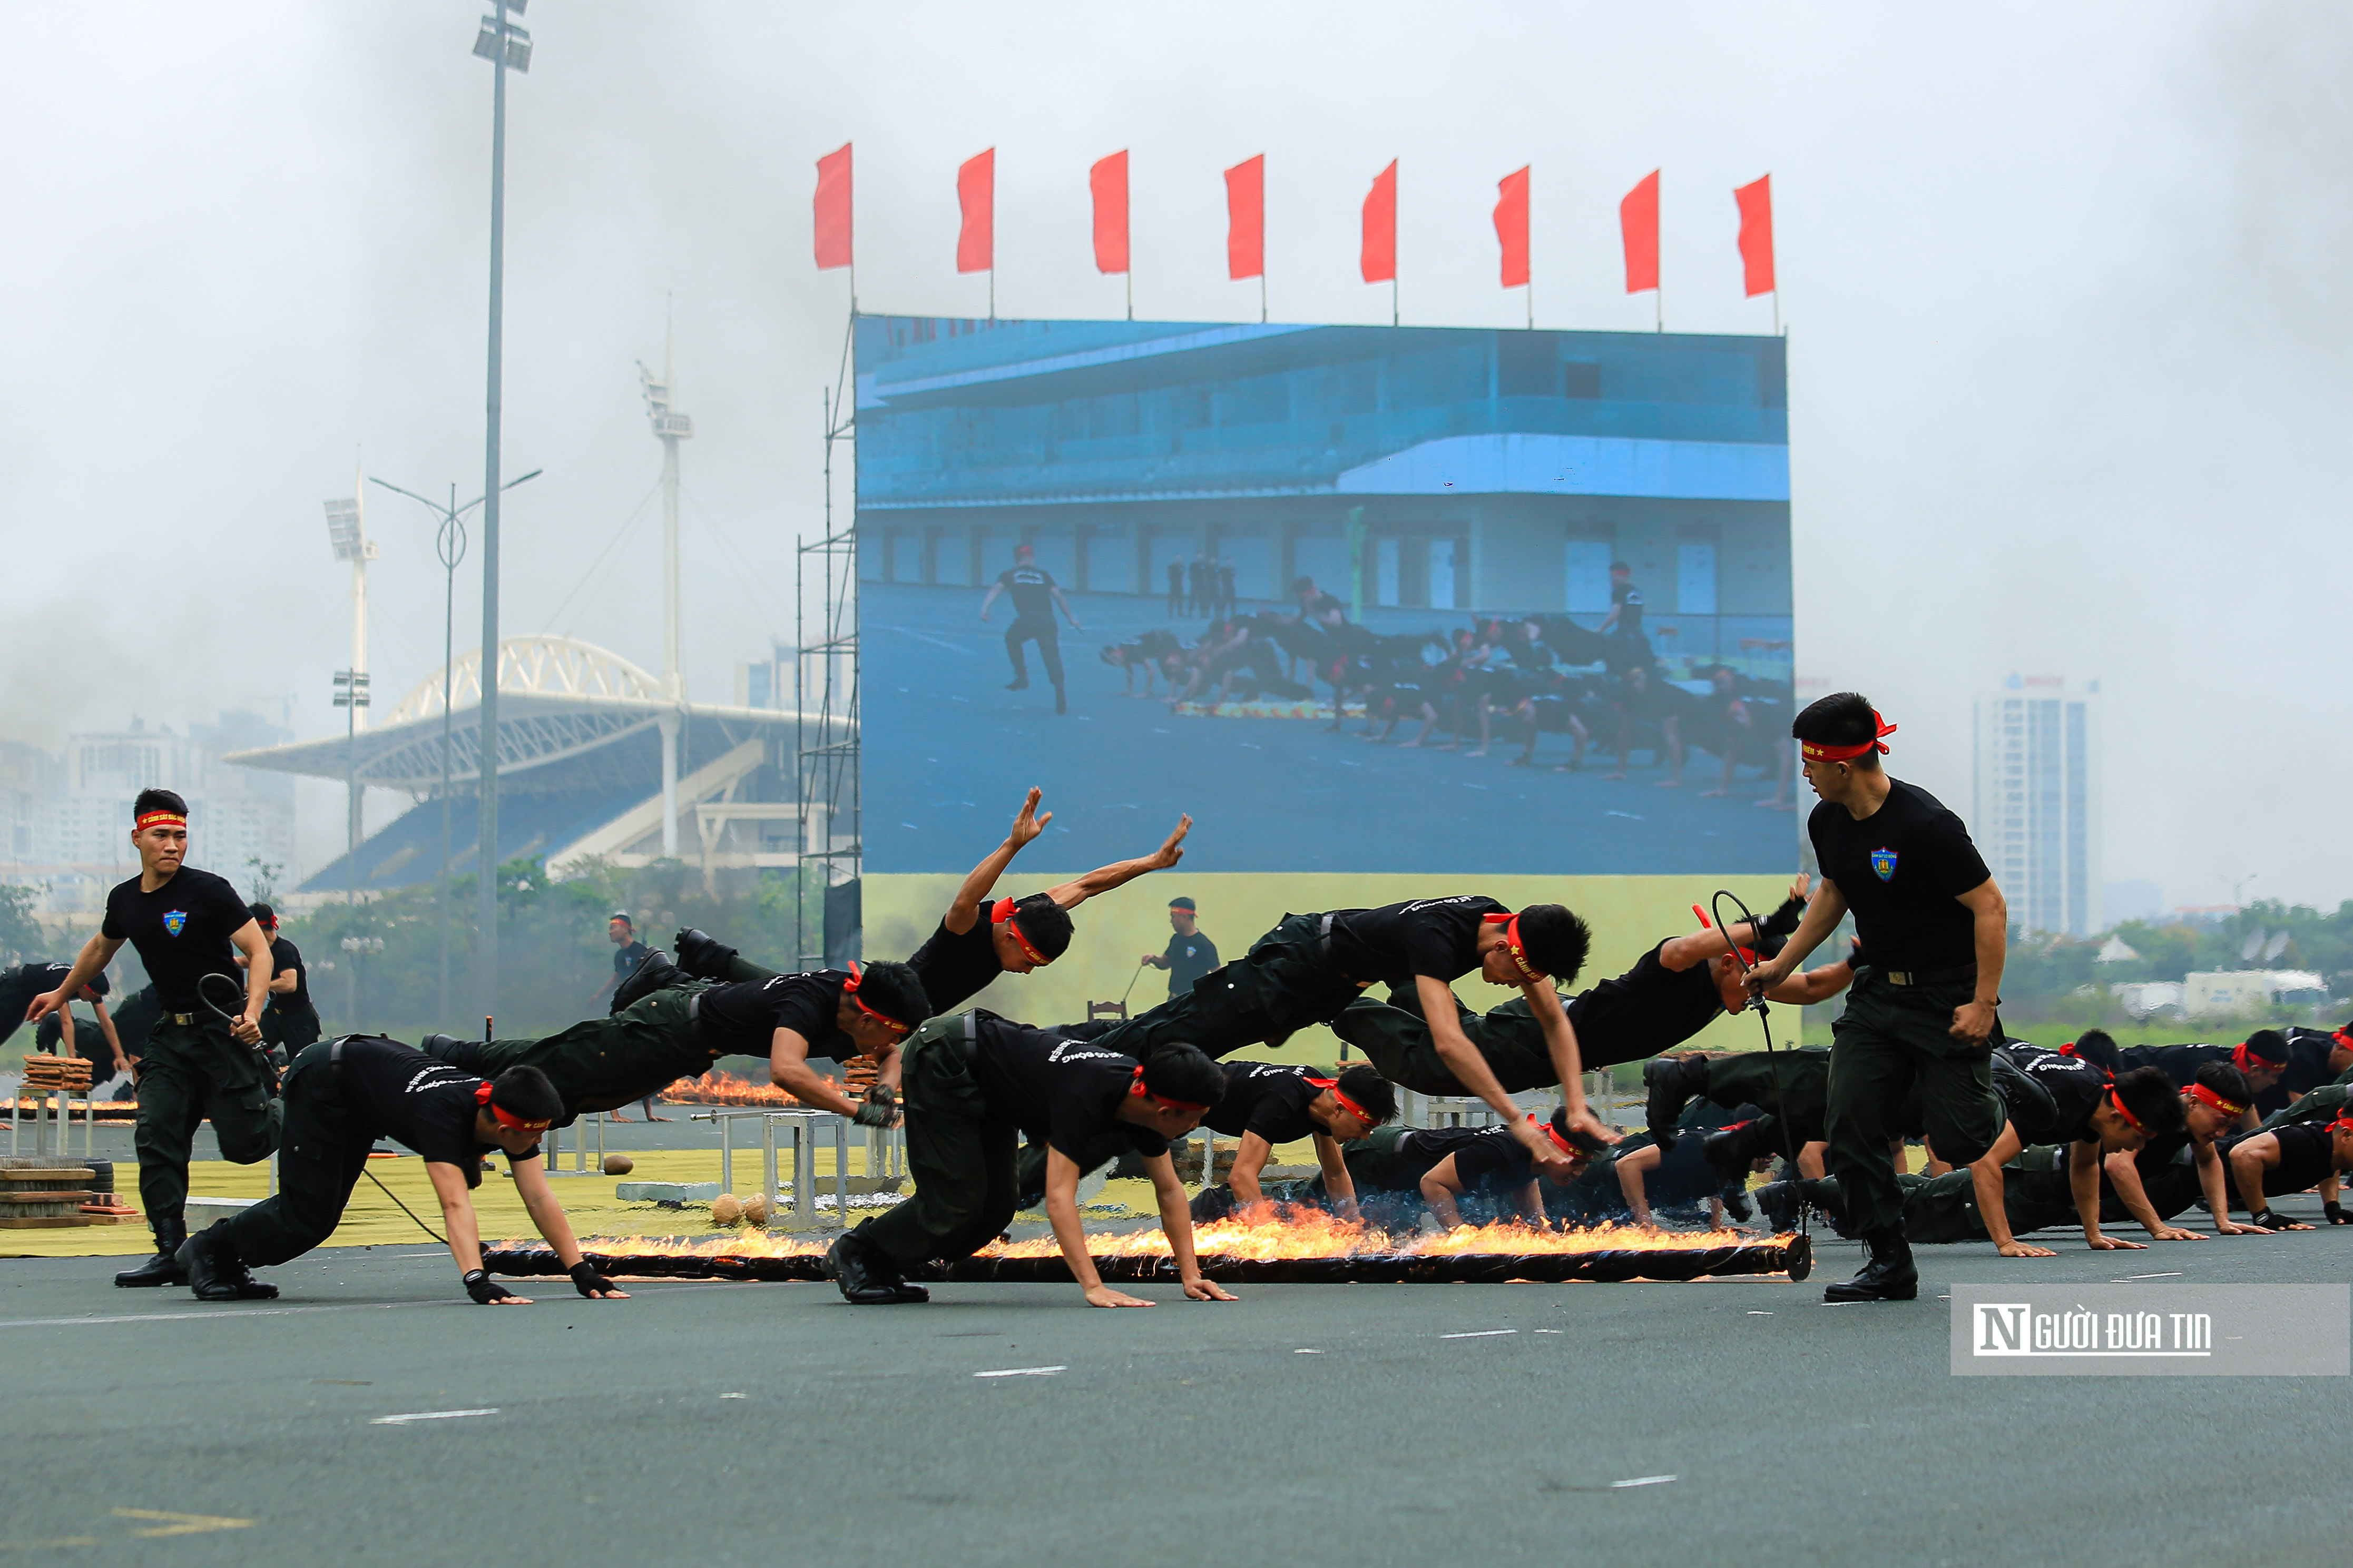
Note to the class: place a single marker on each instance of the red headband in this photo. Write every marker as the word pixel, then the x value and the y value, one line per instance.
pixel 1001 913
pixel 2243 1059
pixel 2342 1124
pixel 1747 954
pixel 850 989
pixel 150 819
pixel 1821 751
pixel 2127 1115
pixel 1511 924
pixel 1559 1143
pixel 1332 1087
pixel 2227 1107
pixel 1135 1088
pixel 504 1117
pixel 2342 1039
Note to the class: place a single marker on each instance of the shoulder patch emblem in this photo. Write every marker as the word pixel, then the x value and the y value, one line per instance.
pixel 1882 863
pixel 173 920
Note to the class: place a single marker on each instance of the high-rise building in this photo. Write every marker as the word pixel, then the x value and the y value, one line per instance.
pixel 2035 800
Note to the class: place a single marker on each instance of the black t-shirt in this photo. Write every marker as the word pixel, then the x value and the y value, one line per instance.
pixel 627 957
pixel 1189 958
pixel 2307 1153
pixel 2076 1089
pixel 414 1100
pixel 1901 870
pixel 181 931
pixel 285 958
pixel 955 969
pixel 1031 589
pixel 1267 1099
pixel 2181 1063
pixel 1062 1092
pixel 1628 598
pixel 2307 1059
pixel 1649 1009
pixel 1486 1159
pixel 742 1017
pixel 1437 937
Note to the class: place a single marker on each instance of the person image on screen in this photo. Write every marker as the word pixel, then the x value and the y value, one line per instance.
pixel 1034 595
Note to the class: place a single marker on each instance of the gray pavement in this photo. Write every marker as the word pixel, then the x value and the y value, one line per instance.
pixel 1430 1424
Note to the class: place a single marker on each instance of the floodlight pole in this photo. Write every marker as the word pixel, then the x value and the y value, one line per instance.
pixel 486 940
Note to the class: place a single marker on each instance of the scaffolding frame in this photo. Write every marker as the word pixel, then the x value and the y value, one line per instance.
pixel 825 685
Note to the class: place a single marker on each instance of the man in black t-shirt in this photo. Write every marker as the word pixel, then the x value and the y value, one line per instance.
pixel 599 1064
pixel 342 1095
pixel 1267 1103
pixel 965 952
pixel 194 1067
pixel 291 1021
pixel 63 1030
pixel 974 1083
pixel 1309 968
pixel 1675 990
pixel 628 952
pixel 1922 1016
pixel 2290 1159
pixel 2211 1106
pixel 2262 1057
pixel 1035 597
pixel 1191 954
pixel 1439 1166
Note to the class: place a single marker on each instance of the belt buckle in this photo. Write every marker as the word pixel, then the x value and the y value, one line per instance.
pixel 1899 977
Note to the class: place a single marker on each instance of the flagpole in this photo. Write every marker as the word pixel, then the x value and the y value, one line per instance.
pixel 1532 300
pixel 992 294
pixel 1261 285
pixel 1393 297
pixel 1130 275
pixel 1776 312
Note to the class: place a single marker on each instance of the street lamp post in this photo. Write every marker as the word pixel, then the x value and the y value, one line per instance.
pixel 450 545
pixel 505 45
pixel 351 696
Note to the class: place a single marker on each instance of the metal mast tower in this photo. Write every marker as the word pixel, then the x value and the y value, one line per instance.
pixel 347 533
pixel 672 427
pixel 825 683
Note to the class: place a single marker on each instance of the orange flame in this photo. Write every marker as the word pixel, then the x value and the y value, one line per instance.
pixel 1280 1234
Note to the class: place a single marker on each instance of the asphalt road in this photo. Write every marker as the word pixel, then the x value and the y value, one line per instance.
pixel 1360 1425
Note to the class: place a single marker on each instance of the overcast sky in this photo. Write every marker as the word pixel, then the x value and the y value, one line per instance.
pixel 2063 289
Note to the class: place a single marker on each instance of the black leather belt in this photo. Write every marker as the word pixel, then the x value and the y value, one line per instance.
pixel 1952 976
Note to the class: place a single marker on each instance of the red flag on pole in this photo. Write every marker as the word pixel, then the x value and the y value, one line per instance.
pixel 1108 181
pixel 1378 259
pixel 1512 227
pixel 1757 235
pixel 1638 217
pixel 1246 218
pixel 833 209
pixel 976 195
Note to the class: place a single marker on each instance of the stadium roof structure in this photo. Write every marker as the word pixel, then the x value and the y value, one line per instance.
pixel 579 754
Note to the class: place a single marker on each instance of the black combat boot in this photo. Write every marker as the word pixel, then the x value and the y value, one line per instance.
pixel 1673 1082
pixel 215 1271
pixel 654 972
pixel 1887 1275
pixel 1732 1150
pixel 865 1274
pixel 702 955
pixel 163 1269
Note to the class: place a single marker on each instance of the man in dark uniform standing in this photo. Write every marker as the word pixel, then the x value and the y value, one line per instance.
pixel 1035 597
pixel 628 952
pixel 1923 1014
pixel 1191 954
pixel 185 923
pixel 291 1021
pixel 341 1096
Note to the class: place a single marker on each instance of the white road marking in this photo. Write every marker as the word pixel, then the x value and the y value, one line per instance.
pixel 430 1415
pixel 1023 1371
pixel 218 1314
pixel 1754 1313
pixel 1478 1334
pixel 1644 1481
pixel 2173 1274
pixel 1547 1330
pixel 1306 1353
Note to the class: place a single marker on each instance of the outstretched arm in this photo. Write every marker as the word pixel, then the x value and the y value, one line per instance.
pixel 458 1220
pixel 1068 613
pixel 990 598
pixel 964 909
pixel 789 1070
pixel 1823 912
pixel 2083 1185
pixel 1338 1186
pixel 539 1200
pixel 96 954
pixel 1104 879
